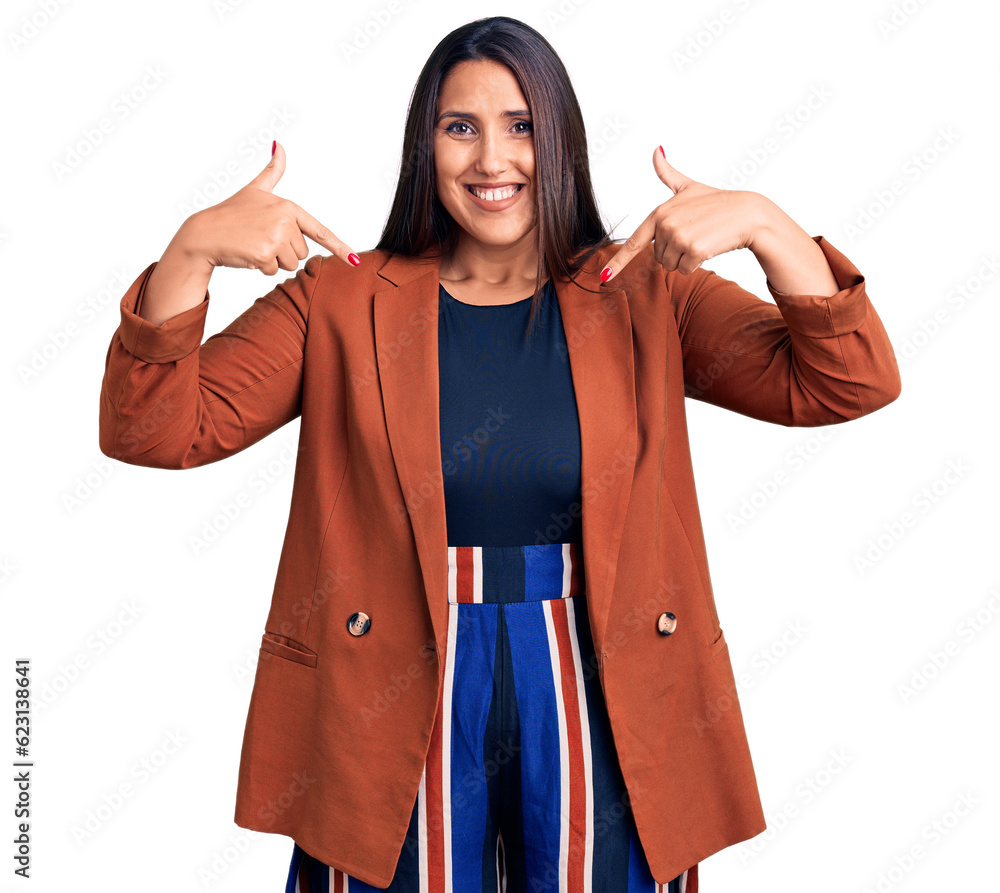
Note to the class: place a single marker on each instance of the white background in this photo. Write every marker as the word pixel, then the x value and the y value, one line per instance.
pixel 84 536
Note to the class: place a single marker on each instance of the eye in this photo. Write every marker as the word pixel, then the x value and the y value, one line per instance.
pixel 527 127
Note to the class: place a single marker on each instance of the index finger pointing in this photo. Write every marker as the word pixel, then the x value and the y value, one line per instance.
pixel 315 230
pixel 630 248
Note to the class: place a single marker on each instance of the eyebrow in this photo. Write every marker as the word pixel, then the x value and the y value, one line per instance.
pixel 520 113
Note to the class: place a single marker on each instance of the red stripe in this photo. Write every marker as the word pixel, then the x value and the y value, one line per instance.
pixel 692 884
pixel 577 782
pixel 435 806
pixel 464 575
pixel 304 885
pixel 338 881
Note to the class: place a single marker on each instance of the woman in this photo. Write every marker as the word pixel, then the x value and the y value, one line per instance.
pixel 493 659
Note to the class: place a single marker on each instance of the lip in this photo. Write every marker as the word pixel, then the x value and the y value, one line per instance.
pixel 494 206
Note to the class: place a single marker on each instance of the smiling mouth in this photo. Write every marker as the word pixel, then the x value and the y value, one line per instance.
pixel 495 195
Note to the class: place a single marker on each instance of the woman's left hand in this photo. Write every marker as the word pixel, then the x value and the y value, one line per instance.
pixel 696 223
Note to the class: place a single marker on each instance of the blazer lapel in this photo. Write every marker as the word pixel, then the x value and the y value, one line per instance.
pixel 599 338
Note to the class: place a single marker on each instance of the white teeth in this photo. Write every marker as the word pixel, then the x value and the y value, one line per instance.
pixel 494 195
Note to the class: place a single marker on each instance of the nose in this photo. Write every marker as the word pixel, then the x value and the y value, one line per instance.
pixel 491 159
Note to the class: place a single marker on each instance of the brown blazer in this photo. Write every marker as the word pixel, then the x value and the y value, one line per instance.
pixel 339 725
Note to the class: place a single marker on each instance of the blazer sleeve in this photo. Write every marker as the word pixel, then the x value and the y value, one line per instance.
pixel 169 401
pixel 805 360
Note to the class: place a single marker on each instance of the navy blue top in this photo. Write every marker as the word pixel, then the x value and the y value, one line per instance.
pixel 510 433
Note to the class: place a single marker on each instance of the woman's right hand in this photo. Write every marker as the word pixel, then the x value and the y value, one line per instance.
pixel 257 229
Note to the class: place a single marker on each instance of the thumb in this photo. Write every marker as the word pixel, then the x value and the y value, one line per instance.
pixel 672 177
pixel 268 178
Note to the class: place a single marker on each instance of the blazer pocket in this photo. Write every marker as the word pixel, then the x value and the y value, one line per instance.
pixel 289 649
pixel 718 643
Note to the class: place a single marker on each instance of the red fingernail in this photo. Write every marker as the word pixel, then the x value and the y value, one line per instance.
pixel 664 154
pixel 605 274
pixel 353 258
pixel 274 145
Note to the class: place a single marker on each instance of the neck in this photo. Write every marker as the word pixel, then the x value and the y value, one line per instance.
pixel 474 261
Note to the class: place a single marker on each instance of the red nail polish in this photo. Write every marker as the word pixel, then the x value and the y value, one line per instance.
pixel 664 154
pixel 274 145
pixel 605 274
pixel 353 258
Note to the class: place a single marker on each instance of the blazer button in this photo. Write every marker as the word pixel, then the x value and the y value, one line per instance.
pixel 666 623
pixel 358 623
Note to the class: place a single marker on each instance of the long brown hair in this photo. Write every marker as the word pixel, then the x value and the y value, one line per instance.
pixel 570 229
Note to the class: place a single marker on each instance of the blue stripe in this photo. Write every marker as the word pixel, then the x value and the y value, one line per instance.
pixel 539 720
pixel 543 571
pixel 640 880
pixel 472 692
pixel 297 856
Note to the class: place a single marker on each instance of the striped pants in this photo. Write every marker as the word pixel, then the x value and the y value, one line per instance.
pixel 522 791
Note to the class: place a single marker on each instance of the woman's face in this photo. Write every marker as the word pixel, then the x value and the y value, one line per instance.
pixel 484 137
